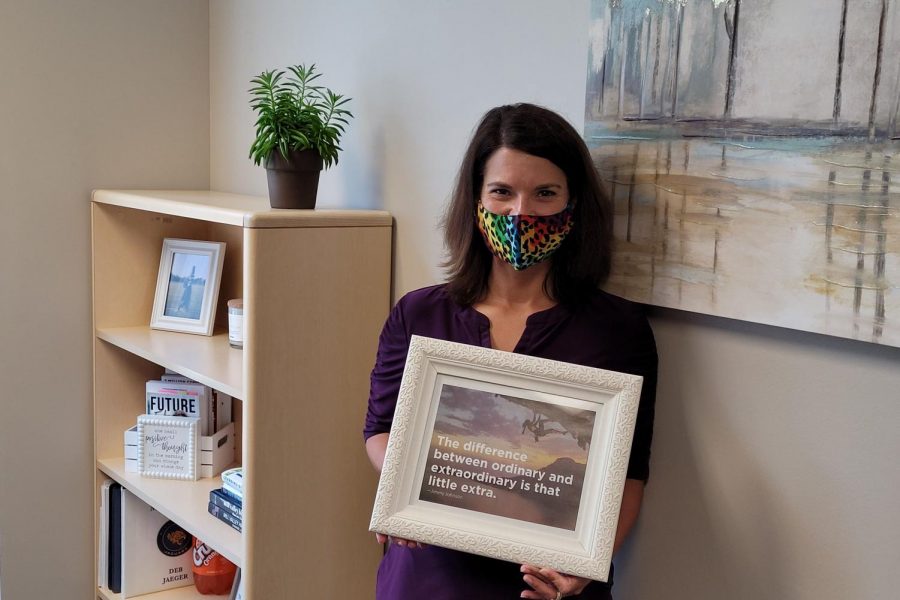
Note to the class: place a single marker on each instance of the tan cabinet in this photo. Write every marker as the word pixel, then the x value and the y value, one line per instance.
pixel 316 290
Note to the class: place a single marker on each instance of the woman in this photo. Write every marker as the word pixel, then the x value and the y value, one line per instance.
pixel 528 232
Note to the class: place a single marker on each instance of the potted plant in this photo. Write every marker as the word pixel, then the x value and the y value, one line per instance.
pixel 298 128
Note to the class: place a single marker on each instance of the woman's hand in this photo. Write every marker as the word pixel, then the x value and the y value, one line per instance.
pixel 547 584
pixel 383 539
pixel 376 446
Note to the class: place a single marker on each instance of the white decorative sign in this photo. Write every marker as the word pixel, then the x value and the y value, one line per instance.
pixel 168 447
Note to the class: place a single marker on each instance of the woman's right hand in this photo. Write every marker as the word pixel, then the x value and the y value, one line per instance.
pixel 376 446
pixel 384 539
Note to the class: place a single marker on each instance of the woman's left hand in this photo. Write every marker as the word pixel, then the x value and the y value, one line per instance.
pixel 547 584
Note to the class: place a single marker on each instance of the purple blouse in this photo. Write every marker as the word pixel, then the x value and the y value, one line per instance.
pixel 605 332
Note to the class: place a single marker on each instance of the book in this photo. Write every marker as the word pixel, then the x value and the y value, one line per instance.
pixel 233 483
pixel 180 400
pixel 156 552
pixel 234 515
pixel 114 554
pixel 176 378
pixel 236 494
pixel 234 477
pixel 228 512
pixel 221 407
pixel 103 535
pixel 226 501
pixel 220 402
pixel 225 515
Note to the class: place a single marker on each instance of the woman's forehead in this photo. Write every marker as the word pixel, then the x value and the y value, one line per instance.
pixel 507 164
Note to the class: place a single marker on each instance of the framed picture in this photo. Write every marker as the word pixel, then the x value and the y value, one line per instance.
pixel 168 447
pixel 508 456
pixel 188 286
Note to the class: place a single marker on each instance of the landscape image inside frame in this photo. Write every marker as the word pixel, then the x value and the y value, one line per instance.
pixel 508 456
pixel 187 283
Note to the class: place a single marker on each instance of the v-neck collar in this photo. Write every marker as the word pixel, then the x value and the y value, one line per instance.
pixel 535 322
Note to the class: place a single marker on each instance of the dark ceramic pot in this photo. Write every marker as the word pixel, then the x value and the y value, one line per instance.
pixel 293 183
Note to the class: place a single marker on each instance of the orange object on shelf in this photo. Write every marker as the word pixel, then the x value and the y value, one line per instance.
pixel 213 573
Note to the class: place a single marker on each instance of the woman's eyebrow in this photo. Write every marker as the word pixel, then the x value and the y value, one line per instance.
pixel 537 187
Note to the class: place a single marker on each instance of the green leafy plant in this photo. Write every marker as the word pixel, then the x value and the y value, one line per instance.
pixel 296 114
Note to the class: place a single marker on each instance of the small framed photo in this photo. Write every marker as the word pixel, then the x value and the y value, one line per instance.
pixel 509 456
pixel 168 447
pixel 188 286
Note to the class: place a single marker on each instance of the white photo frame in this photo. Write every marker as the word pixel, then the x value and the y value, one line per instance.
pixel 185 266
pixel 454 397
pixel 168 447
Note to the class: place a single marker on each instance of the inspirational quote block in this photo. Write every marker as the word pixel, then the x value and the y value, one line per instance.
pixel 508 456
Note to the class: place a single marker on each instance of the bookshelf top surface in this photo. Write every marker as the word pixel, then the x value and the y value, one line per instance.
pixel 237 209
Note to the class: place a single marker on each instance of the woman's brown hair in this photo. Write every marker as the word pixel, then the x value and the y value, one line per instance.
pixel 582 262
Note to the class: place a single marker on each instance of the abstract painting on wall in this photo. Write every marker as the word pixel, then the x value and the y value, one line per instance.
pixel 752 151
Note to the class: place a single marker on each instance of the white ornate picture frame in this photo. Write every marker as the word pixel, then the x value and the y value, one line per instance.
pixel 168 447
pixel 187 286
pixel 509 456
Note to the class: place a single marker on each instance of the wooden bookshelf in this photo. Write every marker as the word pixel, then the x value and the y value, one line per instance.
pixel 316 290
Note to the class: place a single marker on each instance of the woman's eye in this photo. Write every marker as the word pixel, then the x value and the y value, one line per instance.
pixel 546 193
pixel 498 192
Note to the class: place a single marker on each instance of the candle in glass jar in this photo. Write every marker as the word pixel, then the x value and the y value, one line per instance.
pixel 236 323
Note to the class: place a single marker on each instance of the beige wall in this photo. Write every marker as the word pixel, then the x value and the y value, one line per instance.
pixel 774 471
pixel 774 468
pixel 93 93
pixel 775 454
pixel 420 74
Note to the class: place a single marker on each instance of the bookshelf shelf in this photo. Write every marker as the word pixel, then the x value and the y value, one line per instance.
pixel 187 592
pixel 209 360
pixel 183 502
pixel 316 291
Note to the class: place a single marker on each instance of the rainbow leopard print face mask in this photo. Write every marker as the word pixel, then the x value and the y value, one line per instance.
pixel 524 240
